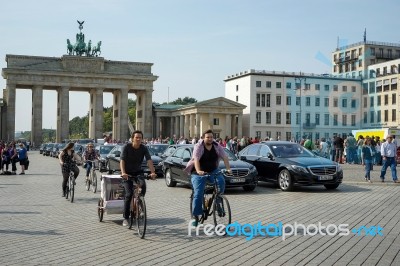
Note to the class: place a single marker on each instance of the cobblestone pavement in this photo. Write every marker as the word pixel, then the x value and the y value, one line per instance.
pixel 39 227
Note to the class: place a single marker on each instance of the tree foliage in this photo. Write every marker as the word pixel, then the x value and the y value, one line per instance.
pixel 184 101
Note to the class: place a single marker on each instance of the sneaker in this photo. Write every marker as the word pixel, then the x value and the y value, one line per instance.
pixel 22 173
pixel 125 222
pixel 395 181
pixel 195 222
pixel 382 180
pixel 369 181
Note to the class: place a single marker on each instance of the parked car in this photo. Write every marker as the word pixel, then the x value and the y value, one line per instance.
pixel 243 174
pixel 170 150
pixel 78 149
pixel 158 149
pixel 103 151
pixel 56 149
pixel 114 157
pixel 49 149
pixel 42 147
pixel 289 164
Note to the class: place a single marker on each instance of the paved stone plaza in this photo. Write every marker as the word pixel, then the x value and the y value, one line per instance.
pixel 39 227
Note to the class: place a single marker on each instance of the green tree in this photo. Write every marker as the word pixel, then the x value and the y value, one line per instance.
pixel 184 101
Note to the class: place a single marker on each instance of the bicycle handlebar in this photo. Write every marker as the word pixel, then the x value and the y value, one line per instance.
pixel 144 175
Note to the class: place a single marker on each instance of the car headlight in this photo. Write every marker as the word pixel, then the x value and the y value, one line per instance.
pixel 339 168
pixel 299 168
pixel 252 169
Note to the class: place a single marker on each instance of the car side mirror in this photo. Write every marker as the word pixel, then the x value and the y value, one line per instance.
pixel 117 154
pixel 270 156
pixel 185 160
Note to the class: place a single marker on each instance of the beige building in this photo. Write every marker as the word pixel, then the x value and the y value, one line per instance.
pixel 222 115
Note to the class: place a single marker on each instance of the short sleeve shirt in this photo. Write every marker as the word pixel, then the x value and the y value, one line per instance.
pixel 134 158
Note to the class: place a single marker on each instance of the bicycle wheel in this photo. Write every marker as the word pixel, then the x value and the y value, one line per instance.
pixel 141 217
pixel 94 182
pixel 67 190
pixel 221 210
pixel 100 210
pixel 71 187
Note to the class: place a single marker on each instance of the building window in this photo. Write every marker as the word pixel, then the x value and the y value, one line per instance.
pixel 237 87
pixel 258 117
pixel 394 98
pixel 258 84
pixel 378 116
pixel 344 103
pixel 216 121
pixel 360 63
pixel 372 49
pixel 288 118
pixel 279 85
pixel 278 100
pixel 317 119
pixel 288 136
pixel 335 87
pixel 353 103
pixel 288 85
pixel 317 87
pixel 268 117
pixel 308 101
pixel 297 118
pixel 258 134
pixel 335 102
pixel 237 98
pixel 268 84
pixel 298 101
pixel 372 117
pixel 258 98
pixel 326 119
pixel 386 99
pixel 378 100
pixel 307 86
pixel 344 120
pixel 326 87
pixel 365 117
pixel 372 87
pixel 326 102
pixel 288 100
pixel 371 101
pixel 344 88
pixel 268 100
pixel 335 120
pixel 278 118
pixel 263 100
pixel 353 120
pixel 393 115
pixel 365 100
pixel 386 114
pixel 317 101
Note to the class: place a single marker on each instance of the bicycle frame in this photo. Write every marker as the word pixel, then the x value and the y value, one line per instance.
pixel 138 206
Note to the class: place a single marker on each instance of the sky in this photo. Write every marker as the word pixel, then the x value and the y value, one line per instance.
pixel 194 45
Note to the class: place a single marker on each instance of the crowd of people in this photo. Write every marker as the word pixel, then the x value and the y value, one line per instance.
pixel 11 155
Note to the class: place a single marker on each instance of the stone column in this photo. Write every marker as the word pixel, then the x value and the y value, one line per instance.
pixel 177 123
pixel 186 127
pixel 239 125
pixel 211 121
pixel 228 126
pixel 157 129
pixel 192 126
pixel 120 114
pixel 139 110
pixel 171 132
pixel 197 127
pixel 37 116
pixel 181 125
pixel 10 113
pixel 147 112
pixel 234 126
pixel 62 114
pixel 96 114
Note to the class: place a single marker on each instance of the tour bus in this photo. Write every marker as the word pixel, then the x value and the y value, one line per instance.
pixel 378 132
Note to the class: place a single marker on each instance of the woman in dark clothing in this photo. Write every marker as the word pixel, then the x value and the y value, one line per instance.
pixel 68 160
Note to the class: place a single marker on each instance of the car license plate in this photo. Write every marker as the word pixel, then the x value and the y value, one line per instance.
pixel 237 180
pixel 326 177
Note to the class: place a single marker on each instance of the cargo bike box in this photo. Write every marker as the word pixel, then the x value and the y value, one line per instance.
pixel 112 196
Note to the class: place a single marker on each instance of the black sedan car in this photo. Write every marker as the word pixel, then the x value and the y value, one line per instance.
pixel 48 150
pixel 103 151
pixel 289 164
pixel 243 174
pixel 114 157
pixel 157 149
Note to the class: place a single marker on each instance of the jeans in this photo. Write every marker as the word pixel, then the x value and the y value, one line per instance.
pixel 88 168
pixel 198 184
pixel 339 155
pixel 128 186
pixel 378 158
pixel 390 161
pixel 368 168
pixel 66 176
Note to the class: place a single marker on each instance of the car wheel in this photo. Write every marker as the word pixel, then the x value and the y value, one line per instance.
pixel 249 187
pixel 168 179
pixel 285 180
pixel 331 186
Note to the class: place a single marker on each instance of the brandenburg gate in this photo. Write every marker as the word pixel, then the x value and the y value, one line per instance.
pixel 77 72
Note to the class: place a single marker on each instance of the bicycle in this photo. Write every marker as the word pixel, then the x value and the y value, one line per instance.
pixel 215 204
pixel 138 207
pixel 92 180
pixel 70 189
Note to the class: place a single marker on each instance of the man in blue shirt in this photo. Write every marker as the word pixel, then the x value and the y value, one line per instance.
pixel 388 153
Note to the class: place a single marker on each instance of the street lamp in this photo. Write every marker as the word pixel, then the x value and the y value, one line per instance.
pixel 298 80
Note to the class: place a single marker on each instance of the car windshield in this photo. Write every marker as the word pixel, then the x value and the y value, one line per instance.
pixel 230 155
pixel 106 149
pixel 157 149
pixel 287 150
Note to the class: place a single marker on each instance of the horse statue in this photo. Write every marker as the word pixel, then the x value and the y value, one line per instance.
pixel 80 48
pixel 70 47
pixel 89 48
pixel 96 49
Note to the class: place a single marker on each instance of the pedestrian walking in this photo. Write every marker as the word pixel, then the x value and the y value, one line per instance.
pixel 388 152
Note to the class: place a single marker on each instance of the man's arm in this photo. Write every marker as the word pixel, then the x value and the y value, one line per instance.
pixel 122 167
pixel 197 167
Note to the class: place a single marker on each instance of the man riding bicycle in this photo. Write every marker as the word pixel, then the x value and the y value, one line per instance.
pixel 89 155
pixel 131 165
pixel 205 159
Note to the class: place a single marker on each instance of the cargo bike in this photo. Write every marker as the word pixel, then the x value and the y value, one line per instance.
pixel 112 202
